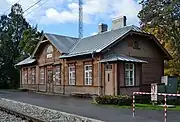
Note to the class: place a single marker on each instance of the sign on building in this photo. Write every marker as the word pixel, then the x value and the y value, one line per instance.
pixel 154 92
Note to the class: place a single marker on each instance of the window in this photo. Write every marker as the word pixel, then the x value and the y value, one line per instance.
pixel 108 67
pixel 129 74
pixel 88 74
pixel 136 44
pixel 58 75
pixel 29 76
pixel 25 76
pixel 49 51
pixel 42 76
pixel 72 74
pixel 108 77
pixel 33 75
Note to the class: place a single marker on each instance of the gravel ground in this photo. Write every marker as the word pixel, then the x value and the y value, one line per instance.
pixel 4 117
pixel 43 113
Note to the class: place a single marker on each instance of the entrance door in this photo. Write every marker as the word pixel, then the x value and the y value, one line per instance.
pixel 49 80
pixel 108 80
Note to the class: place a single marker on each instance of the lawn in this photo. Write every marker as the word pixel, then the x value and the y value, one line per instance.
pixel 141 106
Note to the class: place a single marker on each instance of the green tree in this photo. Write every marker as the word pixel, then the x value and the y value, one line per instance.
pixel 13 29
pixel 162 18
pixel 30 39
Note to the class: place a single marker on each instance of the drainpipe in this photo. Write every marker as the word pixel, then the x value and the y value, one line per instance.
pixel 63 77
pixel 99 78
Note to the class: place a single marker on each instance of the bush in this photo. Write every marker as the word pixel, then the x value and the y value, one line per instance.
pixel 114 100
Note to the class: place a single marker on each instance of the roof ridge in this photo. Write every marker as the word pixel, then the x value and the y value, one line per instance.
pixel 109 31
pixel 76 44
pixel 61 35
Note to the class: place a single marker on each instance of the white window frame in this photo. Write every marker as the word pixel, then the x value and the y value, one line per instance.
pixel 72 80
pixel 33 75
pixel 127 76
pixel 58 75
pixel 25 76
pixel 42 76
pixel 89 81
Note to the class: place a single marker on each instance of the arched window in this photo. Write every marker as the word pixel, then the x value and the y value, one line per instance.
pixel 49 51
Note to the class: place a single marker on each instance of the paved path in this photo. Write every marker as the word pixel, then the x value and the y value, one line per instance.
pixel 84 108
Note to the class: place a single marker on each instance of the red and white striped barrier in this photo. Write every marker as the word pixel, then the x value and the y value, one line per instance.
pixel 160 94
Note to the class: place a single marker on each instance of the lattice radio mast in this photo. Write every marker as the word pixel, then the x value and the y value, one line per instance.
pixel 80 19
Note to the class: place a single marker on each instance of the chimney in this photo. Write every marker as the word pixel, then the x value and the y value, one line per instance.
pixel 118 22
pixel 102 27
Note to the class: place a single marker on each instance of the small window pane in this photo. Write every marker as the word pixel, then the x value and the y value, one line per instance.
pixel 90 81
pixel 131 74
pixel 127 81
pixel 90 74
pixel 131 81
pixel 90 68
pixel 127 74
pixel 131 66
pixel 127 66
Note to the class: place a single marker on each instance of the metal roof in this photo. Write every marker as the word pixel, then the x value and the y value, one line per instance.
pixel 62 43
pixel 28 60
pixel 119 57
pixel 98 42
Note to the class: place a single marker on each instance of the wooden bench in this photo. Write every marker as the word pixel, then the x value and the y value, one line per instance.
pixel 81 94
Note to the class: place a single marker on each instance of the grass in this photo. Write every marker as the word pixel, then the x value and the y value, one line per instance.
pixel 139 106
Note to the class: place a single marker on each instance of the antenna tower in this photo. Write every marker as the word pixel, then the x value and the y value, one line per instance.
pixel 80 19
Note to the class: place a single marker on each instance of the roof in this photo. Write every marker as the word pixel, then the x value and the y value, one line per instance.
pixel 119 57
pixel 62 43
pixel 100 41
pixel 28 60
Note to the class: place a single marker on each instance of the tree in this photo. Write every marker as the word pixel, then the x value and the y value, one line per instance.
pixel 13 29
pixel 162 18
pixel 30 39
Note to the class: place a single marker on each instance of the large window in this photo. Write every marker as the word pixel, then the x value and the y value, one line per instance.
pixel 25 76
pixel 42 76
pixel 72 74
pixel 33 75
pixel 88 74
pixel 58 75
pixel 49 52
pixel 129 74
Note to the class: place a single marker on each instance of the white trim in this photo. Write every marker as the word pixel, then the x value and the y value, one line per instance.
pixel 88 77
pixel 129 70
pixel 71 78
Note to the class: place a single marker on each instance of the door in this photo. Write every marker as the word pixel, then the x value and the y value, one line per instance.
pixel 49 80
pixel 108 80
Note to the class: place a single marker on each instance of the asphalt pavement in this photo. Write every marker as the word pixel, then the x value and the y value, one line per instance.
pixel 83 107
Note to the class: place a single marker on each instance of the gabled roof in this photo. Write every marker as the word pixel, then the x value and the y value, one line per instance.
pixel 120 57
pixel 62 43
pixel 100 41
pixel 71 46
pixel 28 60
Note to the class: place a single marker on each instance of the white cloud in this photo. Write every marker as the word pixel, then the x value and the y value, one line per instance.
pixel 60 17
pixel 63 11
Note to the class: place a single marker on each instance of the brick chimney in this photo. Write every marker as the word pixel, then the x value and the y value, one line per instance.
pixel 102 27
pixel 118 22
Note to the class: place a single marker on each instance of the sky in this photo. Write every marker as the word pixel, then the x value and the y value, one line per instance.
pixel 61 16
